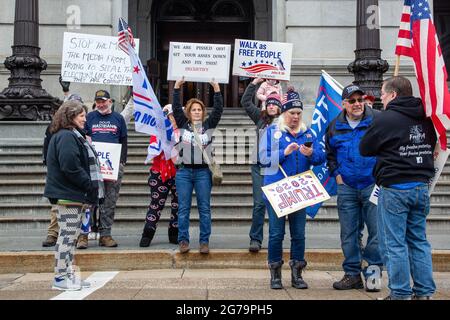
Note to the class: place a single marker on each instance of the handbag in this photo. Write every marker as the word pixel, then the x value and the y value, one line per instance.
pixel 216 172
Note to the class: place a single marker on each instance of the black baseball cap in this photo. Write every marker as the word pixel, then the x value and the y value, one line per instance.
pixel 351 89
pixel 102 94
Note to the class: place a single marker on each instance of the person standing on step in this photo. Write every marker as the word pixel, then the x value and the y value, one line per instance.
pixel 192 169
pixel 73 183
pixel 105 125
pixel 262 119
pixel 288 147
pixel 161 182
pixel 403 174
pixel 355 183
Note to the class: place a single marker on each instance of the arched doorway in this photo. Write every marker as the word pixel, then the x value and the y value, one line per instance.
pixel 205 21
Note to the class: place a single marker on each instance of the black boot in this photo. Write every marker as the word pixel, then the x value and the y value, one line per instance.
pixel 147 237
pixel 296 276
pixel 173 235
pixel 275 275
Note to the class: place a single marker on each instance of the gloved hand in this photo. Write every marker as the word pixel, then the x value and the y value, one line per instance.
pixel 64 84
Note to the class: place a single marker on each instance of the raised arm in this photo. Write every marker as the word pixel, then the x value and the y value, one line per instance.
pixel 178 112
pixel 214 118
pixel 247 101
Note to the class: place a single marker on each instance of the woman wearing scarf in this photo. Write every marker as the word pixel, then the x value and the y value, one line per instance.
pixel 73 183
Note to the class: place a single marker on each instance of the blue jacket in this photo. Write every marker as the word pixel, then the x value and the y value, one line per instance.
pixel 272 154
pixel 343 156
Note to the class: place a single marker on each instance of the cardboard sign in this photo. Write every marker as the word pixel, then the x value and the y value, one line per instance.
pixel 294 193
pixel 109 159
pixel 262 59
pixel 89 58
pixel 199 62
pixel 439 165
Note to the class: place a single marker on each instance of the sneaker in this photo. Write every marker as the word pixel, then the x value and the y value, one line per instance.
pixel 77 280
pixel 184 247
pixel 255 246
pixel 204 248
pixel 50 241
pixel 82 242
pixel 65 283
pixel 349 282
pixel 107 241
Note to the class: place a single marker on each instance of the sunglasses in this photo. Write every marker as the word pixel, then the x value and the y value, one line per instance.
pixel 352 101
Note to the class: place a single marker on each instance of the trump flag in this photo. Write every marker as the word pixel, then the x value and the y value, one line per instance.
pixel 328 106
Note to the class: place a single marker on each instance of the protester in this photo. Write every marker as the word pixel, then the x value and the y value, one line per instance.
pixel 262 119
pixel 355 183
pixel 161 182
pixel 105 125
pixel 193 171
pixel 403 141
pixel 73 183
pixel 369 100
pixel 268 87
pixel 284 145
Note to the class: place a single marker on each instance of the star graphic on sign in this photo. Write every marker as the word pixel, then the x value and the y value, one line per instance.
pixel 262 61
pixel 136 69
pixel 250 63
pixel 244 64
pixel 256 61
pixel 267 61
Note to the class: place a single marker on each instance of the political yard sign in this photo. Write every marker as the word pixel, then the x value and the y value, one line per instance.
pixel 199 62
pixel 262 59
pixel 108 155
pixel 294 193
pixel 89 58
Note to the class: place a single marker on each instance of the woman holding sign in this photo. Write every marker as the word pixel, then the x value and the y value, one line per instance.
pixel 287 149
pixel 193 171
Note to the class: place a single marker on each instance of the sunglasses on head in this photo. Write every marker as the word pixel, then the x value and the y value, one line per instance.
pixel 352 101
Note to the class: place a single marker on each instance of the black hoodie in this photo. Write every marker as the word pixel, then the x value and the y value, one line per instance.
pixel 403 140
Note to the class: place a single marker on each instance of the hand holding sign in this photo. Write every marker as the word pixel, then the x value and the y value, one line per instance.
pixel 215 85
pixel 179 83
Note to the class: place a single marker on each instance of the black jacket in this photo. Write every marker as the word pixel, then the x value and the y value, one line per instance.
pixel 403 140
pixel 68 175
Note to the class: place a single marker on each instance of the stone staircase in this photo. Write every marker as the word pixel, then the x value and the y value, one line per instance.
pixel 22 180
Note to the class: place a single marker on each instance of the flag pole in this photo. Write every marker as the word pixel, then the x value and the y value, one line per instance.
pixel 334 80
pixel 397 66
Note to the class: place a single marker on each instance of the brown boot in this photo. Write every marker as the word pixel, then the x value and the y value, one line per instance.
pixel 184 247
pixel 82 242
pixel 204 248
pixel 107 241
pixel 50 241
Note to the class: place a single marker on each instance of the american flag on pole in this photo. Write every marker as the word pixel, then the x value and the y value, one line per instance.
pixel 148 115
pixel 417 39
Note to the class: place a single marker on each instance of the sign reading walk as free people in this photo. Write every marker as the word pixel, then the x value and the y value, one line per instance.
pixel 89 58
pixel 199 62
pixel 262 59
pixel 294 193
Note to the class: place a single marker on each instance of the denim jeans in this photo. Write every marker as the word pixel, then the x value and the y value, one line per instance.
pixel 354 208
pixel 259 206
pixel 406 251
pixel 187 180
pixel 297 222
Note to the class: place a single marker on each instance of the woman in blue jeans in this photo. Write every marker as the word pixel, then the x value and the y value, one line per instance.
pixel 193 171
pixel 289 145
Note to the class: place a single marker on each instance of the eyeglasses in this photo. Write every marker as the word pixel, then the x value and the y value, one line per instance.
pixel 352 101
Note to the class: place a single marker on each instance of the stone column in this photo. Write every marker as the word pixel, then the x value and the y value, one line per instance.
pixel 24 98
pixel 368 66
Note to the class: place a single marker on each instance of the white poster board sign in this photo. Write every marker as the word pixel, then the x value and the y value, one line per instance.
pixel 199 62
pixel 262 59
pixel 294 193
pixel 439 165
pixel 109 159
pixel 89 58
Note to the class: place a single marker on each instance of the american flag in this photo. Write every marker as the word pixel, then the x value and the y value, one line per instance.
pixel 417 39
pixel 125 36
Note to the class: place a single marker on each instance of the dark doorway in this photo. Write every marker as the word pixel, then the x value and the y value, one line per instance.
pixel 442 22
pixel 204 21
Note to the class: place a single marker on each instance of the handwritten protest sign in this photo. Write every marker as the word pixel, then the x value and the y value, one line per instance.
pixel 294 193
pixel 199 62
pixel 97 59
pixel 109 158
pixel 270 60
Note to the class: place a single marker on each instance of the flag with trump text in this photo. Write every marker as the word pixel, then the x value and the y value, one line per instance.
pixel 417 39
pixel 148 114
pixel 328 106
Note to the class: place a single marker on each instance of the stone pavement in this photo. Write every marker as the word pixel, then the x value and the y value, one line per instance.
pixel 205 284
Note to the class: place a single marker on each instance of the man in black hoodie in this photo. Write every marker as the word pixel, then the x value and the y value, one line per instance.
pixel 403 139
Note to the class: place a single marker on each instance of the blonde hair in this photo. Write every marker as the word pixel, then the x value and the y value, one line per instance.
pixel 189 105
pixel 284 127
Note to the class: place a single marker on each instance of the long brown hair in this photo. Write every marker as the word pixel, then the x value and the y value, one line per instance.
pixel 63 118
pixel 268 119
pixel 189 107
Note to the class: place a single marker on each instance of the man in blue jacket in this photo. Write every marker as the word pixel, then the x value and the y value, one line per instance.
pixel 353 174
